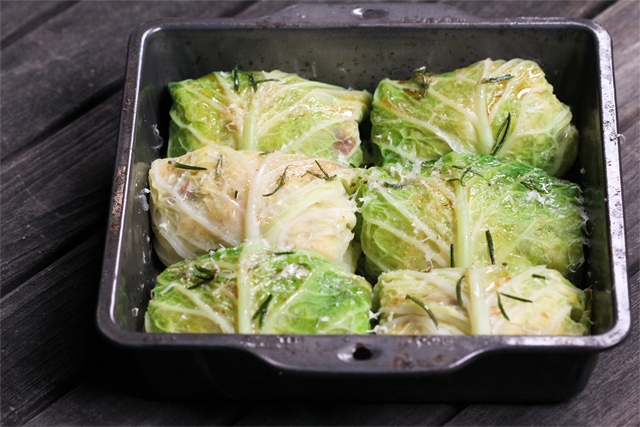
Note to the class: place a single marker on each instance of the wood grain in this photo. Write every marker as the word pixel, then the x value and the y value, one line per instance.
pixel 18 18
pixel 102 400
pixel 513 9
pixel 51 74
pixel 48 333
pixel 53 195
pixel 349 414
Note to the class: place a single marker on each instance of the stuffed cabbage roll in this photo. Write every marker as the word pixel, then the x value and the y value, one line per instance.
pixel 267 111
pixel 481 301
pixel 217 197
pixel 465 209
pixel 253 289
pixel 502 108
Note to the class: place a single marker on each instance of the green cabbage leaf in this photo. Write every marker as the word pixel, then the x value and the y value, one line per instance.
pixel 465 209
pixel 476 300
pixel 253 289
pixel 217 197
pixel 507 109
pixel 267 111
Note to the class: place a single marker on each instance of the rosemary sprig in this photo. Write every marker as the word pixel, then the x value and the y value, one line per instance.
pixel 496 79
pixel 205 275
pixel 452 257
pixel 528 186
pixel 207 271
pixel 262 311
pixel 459 291
pixel 469 169
pixel 465 171
pixel 424 307
pixel 424 84
pixel 219 166
pixel 538 276
pixel 501 139
pixel 236 77
pixel 325 172
pixel 280 183
pixel 325 175
pixel 514 297
pixel 504 313
pixel 490 245
pixel 189 167
pixel 394 185
pixel 254 83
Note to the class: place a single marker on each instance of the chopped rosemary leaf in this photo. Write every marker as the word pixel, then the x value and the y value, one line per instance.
pixel 189 167
pixel 284 253
pixel 501 139
pixel 235 196
pixel 257 82
pixel 205 270
pixel 528 186
pixel 459 291
pixel 264 153
pixel 394 186
pixel 490 244
pixel 197 285
pixel 424 307
pixel 424 84
pixel 327 177
pixel 261 311
pixel 467 170
pixel 280 183
pixel 219 166
pixel 538 276
pixel 452 257
pixel 317 175
pixel 236 78
pixel 496 79
pixel 504 313
pixel 514 297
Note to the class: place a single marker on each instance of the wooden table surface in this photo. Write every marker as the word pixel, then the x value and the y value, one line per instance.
pixel 61 85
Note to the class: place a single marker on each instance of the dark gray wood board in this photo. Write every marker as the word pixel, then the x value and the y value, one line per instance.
pixel 532 8
pixel 74 61
pixel 18 18
pixel 48 333
pixel 55 195
pixel 373 414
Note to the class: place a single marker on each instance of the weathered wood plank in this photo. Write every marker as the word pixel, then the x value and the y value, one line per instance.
pixel 512 9
pixel 49 75
pixel 612 396
pixel 53 195
pixel 112 397
pixel 18 18
pixel 48 332
pixel 351 414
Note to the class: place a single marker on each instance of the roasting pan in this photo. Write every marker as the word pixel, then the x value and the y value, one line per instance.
pixel 356 45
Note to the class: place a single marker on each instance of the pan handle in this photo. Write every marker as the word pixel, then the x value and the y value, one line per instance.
pixel 368 14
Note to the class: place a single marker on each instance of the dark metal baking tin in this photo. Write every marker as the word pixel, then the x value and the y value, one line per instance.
pixel 356 46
